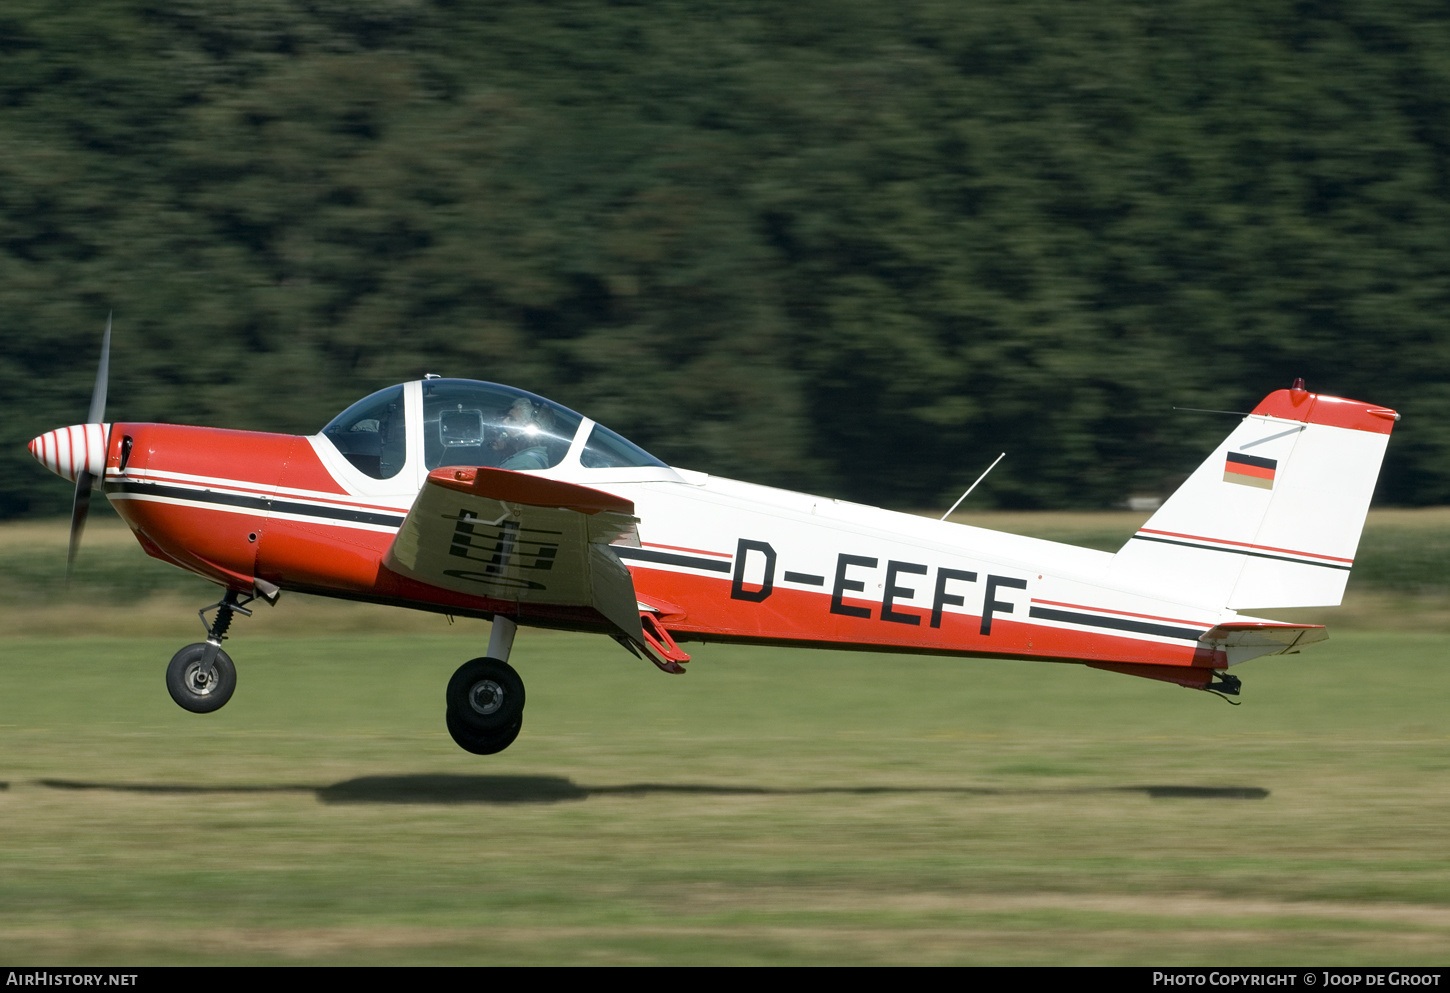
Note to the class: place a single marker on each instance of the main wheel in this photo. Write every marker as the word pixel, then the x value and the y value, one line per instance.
pixel 482 744
pixel 197 691
pixel 485 697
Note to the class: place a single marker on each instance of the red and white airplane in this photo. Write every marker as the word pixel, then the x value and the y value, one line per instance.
pixel 480 500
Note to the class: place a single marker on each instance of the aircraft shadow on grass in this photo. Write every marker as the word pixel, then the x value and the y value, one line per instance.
pixel 441 788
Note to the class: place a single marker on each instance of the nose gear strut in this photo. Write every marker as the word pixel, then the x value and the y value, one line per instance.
pixel 216 631
pixel 201 678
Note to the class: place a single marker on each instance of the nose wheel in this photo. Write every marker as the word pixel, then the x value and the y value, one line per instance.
pixel 201 678
pixel 198 686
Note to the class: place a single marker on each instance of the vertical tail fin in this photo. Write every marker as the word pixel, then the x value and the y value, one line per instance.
pixel 1274 516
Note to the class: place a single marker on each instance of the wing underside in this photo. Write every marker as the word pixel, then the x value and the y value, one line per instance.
pixel 521 539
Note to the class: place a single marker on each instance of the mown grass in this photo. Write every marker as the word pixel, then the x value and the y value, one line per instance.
pixel 768 807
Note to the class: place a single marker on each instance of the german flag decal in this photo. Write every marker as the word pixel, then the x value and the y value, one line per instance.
pixel 1250 470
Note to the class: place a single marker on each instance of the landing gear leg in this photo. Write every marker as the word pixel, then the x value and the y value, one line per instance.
pixel 486 697
pixel 201 678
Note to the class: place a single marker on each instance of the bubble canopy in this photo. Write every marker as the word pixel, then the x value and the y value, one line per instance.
pixel 466 422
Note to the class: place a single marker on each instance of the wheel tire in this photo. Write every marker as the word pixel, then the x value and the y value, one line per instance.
pixel 482 744
pixel 194 694
pixel 486 698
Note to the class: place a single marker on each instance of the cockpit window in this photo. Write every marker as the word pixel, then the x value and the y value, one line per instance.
pixel 484 424
pixel 370 434
pixel 607 450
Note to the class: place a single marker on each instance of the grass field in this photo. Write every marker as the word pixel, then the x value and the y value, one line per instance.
pixel 768 807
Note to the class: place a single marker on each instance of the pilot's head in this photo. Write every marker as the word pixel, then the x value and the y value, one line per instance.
pixel 518 428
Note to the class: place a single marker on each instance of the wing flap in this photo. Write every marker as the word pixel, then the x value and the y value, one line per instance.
pixel 520 538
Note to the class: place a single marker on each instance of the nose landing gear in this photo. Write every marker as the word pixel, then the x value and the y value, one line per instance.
pixel 201 678
pixel 486 697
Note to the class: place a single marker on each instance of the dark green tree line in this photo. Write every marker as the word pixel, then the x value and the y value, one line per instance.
pixel 848 247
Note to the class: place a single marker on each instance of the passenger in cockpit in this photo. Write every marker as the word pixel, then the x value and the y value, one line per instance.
pixel 522 436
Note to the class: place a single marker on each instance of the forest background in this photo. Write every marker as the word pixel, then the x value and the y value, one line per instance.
pixel 852 247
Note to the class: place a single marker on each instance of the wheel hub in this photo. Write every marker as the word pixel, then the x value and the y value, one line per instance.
pixel 202 681
pixel 486 697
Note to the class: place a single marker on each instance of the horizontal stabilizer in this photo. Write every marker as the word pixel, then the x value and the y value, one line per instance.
pixel 1244 640
pixel 1224 645
pixel 520 538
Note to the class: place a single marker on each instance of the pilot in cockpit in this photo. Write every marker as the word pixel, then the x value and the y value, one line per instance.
pixel 520 441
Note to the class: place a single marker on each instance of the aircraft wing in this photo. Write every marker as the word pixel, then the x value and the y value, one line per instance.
pixel 521 538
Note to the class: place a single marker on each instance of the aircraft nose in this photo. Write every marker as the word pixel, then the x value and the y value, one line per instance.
pixel 70 451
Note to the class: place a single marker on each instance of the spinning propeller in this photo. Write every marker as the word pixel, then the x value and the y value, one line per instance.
pixel 79 451
pixel 85 479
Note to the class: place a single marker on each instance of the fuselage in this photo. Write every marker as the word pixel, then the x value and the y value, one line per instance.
pixel 716 559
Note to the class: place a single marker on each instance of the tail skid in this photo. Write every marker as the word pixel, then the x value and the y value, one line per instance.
pixel 1273 517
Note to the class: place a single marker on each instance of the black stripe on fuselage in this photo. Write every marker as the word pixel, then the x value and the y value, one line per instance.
pixel 266 505
pixel 1116 623
pixel 670 558
pixel 1243 551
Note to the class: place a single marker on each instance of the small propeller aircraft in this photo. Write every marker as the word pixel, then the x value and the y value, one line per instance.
pixel 476 499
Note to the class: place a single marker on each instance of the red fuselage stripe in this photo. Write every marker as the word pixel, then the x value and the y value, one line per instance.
pixel 1245 544
pixel 682 548
pixel 213 484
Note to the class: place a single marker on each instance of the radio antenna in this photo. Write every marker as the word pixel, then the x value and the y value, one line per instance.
pixel 1205 410
pixel 983 476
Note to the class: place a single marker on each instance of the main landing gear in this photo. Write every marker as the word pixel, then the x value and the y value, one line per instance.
pixel 486 697
pixel 201 678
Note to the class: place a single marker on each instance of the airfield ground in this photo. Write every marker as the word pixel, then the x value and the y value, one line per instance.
pixel 768 807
